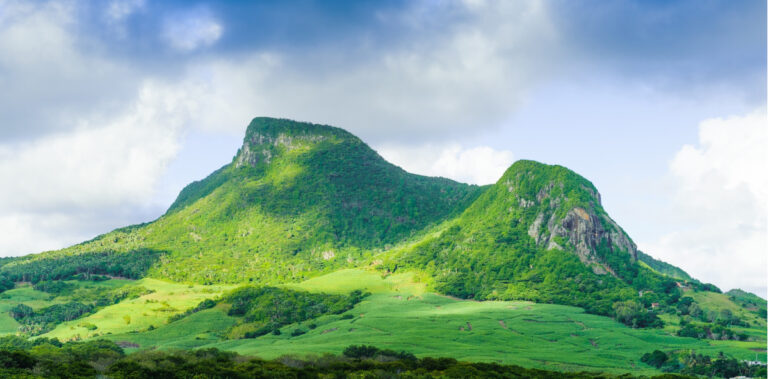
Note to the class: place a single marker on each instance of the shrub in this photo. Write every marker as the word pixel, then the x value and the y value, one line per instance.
pixel 360 351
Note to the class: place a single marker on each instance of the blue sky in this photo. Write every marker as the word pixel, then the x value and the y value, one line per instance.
pixel 111 107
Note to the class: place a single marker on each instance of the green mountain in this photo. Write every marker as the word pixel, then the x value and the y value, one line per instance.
pixel 749 301
pixel 297 199
pixel 300 199
pixel 663 268
pixel 540 233
pixel 309 241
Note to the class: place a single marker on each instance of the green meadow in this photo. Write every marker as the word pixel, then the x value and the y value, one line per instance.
pixel 24 294
pixel 137 315
pixel 400 315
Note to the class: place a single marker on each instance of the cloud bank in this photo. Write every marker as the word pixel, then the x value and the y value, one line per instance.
pixel 717 219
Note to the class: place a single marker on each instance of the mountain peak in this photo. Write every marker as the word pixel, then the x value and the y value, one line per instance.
pixel 565 212
pixel 536 180
pixel 268 137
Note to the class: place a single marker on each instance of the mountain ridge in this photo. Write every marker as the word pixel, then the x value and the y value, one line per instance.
pixel 299 199
pixel 304 211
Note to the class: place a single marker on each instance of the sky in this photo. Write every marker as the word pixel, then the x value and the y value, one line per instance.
pixel 108 108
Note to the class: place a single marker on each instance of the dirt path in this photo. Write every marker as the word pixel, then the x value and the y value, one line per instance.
pixel 503 325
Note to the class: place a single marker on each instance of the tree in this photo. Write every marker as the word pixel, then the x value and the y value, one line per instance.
pixel 360 351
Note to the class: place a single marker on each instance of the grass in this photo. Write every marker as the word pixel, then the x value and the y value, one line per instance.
pixel 138 314
pixel 24 294
pixel 523 333
pixel 196 330
pixel 400 315
pixel 712 301
pixel 344 281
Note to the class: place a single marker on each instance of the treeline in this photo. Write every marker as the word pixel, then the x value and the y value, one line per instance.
pixel 688 362
pixel 43 320
pixel 44 358
pixel 83 301
pixel 87 266
pixel 708 324
pixel 266 309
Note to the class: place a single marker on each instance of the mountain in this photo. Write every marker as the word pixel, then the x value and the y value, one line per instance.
pixel 540 233
pixel 297 199
pixel 300 199
pixel 308 242
pixel 663 268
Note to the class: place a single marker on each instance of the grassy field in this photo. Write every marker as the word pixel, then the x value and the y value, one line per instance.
pixel 400 315
pixel 528 334
pixel 24 294
pixel 196 330
pixel 137 315
pixel 712 301
pixel 344 281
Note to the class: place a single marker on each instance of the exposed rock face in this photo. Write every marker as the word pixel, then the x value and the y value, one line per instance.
pixel 258 147
pixel 583 230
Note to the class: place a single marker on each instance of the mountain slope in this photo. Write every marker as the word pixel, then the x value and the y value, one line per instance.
pixel 540 233
pixel 300 203
pixel 663 268
pixel 297 199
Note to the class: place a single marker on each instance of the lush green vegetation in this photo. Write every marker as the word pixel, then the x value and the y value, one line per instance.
pixel 488 253
pixel 688 362
pixel 70 301
pixel 297 200
pixel 102 358
pixel 401 316
pixel 749 301
pixel 663 268
pixel 266 309
pixel 297 214
pixel 131 264
pixel 119 306
pixel 38 322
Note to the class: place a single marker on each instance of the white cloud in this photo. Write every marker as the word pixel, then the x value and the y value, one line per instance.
pixel 47 81
pixel 192 30
pixel 59 187
pixel 461 78
pixel 476 165
pixel 717 220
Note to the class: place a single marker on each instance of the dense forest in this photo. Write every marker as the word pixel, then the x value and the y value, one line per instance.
pixel 266 309
pixel 97 265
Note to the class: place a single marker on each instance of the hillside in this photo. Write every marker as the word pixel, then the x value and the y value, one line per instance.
pixel 297 199
pixel 540 233
pixel 301 199
pixel 309 241
pixel 663 268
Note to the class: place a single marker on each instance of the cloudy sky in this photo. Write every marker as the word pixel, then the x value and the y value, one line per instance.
pixel 108 108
